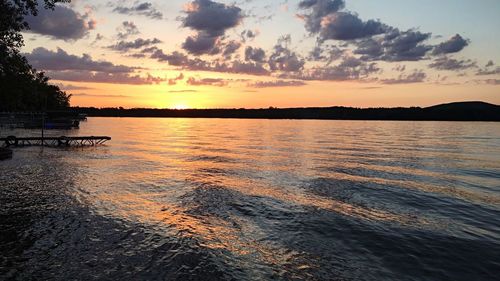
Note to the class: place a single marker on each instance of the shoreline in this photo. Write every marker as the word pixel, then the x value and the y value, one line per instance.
pixel 462 111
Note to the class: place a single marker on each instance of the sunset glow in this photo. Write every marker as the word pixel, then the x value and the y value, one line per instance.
pixel 209 54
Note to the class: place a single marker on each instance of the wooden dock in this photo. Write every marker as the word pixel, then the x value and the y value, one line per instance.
pixel 12 141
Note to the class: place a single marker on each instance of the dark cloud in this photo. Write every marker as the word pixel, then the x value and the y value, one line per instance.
pixel 248 35
pixel 62 66
pixel 395 46
pixel 350 68
pixel 283 59
pixel 489 71
pixel 99 37
pixel 453 45
pixel 70 87
pixel 217 82
pixel 326 19
pixel 45 59
pixel 104 77
pixel 184 62
pixel 139 8
pixel 127 29
pixel 277 83
pixel 492 81
pixel 174 81
pixel 230 48
pixel 201 44
pixel 373 39
pixel 60 23
pixel 210 20
pixel 318 10
pixel 370 49
pixel 399 68
pixel 416 77
pixel 327 54
pixel 125 46
pixel 211 17
pixel 405 45
pixel 347 26
pixel 252 68
pixel 446 63
pixel 175 58
pixel 255 54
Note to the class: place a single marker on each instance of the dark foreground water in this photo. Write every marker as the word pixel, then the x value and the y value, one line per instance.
pixel 198 199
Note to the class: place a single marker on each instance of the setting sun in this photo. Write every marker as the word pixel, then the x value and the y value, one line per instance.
pixel 353 140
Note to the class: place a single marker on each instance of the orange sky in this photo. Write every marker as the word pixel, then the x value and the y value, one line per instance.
pixel 125 54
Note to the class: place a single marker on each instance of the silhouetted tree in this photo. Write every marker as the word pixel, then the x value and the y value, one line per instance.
pixel 21 86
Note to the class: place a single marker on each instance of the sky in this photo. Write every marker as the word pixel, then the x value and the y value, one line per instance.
pixel 281 53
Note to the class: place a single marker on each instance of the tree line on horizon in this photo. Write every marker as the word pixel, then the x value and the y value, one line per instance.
pixel 23 88
pixel 464 111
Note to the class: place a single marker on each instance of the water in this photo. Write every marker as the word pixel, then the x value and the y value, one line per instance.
pixel 210 199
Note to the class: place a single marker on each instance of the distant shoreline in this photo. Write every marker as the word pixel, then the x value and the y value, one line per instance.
pixel 462 111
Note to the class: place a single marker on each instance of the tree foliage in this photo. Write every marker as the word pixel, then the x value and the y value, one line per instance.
pixel 21 86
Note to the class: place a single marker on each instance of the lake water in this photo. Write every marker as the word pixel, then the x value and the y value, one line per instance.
pixel 212 199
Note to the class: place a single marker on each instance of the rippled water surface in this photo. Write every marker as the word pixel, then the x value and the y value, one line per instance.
pixel 210 199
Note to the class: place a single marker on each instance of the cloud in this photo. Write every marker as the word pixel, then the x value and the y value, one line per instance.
pixel 139 8
pixel 62 66
pixel 453 45
pixel 373 39
pixel 446 63
pixel 230 48
pixel 492 81
pixel 217 82
pixel 183 91
pixel 173 81
pixel 70 87
pixel 61 23
pixel 126 29
pixel 489 69
pixel 252 68
pixel 347 26
pixel 211 17
pixel 175 58
pixel 202 43
pixel 318 10
pixel 45 59
pixel 184 62
pixel 327 54
pixel 255 54
pixel 326 18
pixel 395 46
pixel 248 35
pixel 405 45
pixel 350 68
pixel 125 46
pixel 416 77
pixel 276 83
pixel 283 59
pixel 210 20
pixel 98 38
pixel 104 77
pixel 100 95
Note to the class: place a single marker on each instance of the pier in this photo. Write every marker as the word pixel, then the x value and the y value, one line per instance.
pixel 12 141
